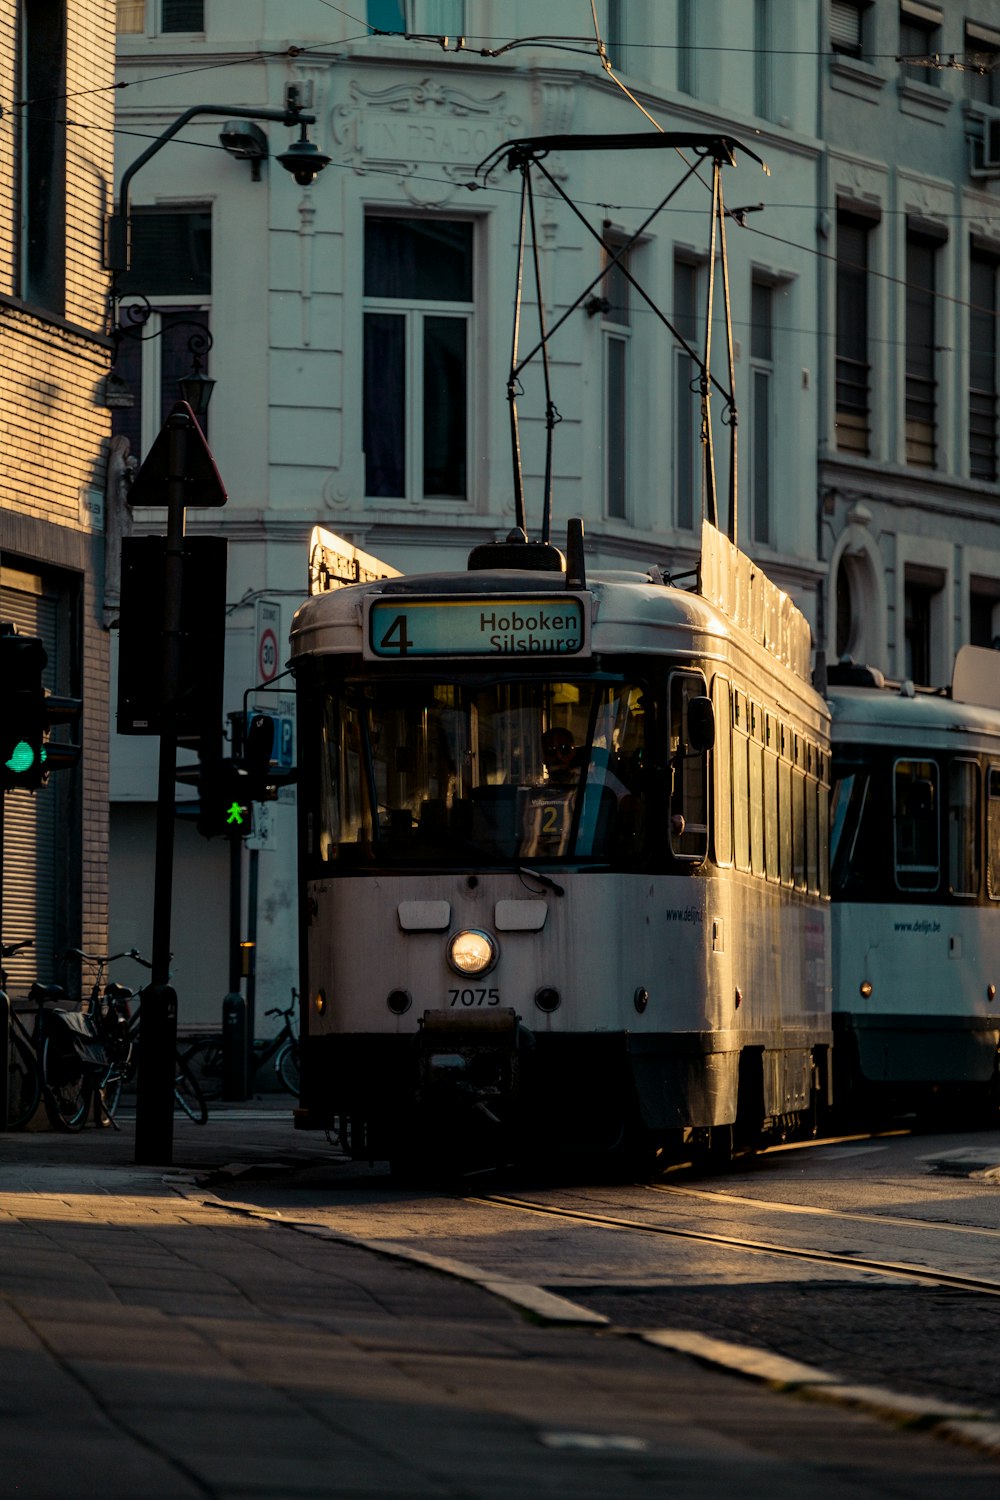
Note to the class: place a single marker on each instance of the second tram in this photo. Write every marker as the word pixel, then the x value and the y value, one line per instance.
pixel 915 874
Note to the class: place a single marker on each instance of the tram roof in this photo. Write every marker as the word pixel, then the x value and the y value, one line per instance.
pixel 631 611
pixel 891 715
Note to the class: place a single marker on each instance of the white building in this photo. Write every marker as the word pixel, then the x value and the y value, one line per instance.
pixel 909 425
pixel 362 326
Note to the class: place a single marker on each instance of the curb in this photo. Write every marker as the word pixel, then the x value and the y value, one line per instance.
pixel 978 1430
pixel 548 1307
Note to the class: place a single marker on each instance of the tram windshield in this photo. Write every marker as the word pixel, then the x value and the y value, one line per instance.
pixel 494 770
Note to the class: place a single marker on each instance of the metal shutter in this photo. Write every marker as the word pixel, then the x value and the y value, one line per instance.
pixel 29 824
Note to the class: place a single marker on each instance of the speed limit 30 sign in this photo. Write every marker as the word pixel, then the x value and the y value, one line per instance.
pixel 268 626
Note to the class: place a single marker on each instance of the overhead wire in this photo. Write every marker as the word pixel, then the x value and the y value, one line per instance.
pixel 580 45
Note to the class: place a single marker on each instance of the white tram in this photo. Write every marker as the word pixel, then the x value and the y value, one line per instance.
pixel 508 951
pixel 915 875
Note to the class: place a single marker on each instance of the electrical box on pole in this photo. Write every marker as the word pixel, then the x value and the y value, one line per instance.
pixel 198 705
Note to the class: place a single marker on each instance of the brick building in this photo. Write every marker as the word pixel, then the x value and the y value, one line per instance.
pixel 56 173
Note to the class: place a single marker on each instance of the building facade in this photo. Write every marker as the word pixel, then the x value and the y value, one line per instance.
pixel 362 325
pixel 56 166
pixel 908 457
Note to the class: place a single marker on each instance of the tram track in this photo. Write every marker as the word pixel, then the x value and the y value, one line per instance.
pixel 847 1215
pixel 900 1270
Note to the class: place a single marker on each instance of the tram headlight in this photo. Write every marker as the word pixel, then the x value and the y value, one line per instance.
pixel 472 952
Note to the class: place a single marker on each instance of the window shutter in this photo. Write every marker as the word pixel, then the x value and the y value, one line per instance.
pixel 845 26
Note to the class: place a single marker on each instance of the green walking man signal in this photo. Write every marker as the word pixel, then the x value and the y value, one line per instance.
pixel 236 813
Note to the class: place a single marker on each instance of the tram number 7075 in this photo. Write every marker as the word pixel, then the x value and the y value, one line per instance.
pixel 475 997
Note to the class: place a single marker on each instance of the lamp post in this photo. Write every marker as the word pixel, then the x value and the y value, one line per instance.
pixel 167 474
pixel 303 159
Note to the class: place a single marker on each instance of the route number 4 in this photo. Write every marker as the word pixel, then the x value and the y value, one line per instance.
pixel 396 638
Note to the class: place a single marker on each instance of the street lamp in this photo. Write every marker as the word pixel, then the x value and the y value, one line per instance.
pixel 303 159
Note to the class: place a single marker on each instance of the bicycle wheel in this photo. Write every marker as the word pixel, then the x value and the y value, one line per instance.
pixel 187 1093
pixel 67 1087
pixel 286 1065
pixel 204 1062
pixel 108 1096
pixel 23 1086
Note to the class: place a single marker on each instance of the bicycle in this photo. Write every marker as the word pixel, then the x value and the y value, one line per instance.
pixel 55 1062
pixel 206 1053
pixel 23 1078
pixel 116 1021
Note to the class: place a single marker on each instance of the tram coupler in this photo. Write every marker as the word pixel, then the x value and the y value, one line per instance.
pixel 472 1058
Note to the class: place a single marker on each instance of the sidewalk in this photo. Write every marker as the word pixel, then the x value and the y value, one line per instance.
pixel 159 1344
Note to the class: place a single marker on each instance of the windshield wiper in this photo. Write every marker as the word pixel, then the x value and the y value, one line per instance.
pixel 542 879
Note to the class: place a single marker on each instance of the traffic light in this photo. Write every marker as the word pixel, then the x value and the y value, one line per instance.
pixel 22 730
pixel 61 755
pixel 224 800
pixel 257 756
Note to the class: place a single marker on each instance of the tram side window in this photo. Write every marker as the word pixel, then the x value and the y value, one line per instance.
pixel 915 820
pixel 341 812
pixel 798 819
pixel 785 807
pixel 741 782
pixel 964 862
pixel 812 832
pixel 849 822
pixel 824 826
pixel 688 767
pixel 772 811
pixel 993 834
pixel 722 762
pixel 756 749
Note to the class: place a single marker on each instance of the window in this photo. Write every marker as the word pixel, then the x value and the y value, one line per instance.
pixel 686 53
pixel 687 399
pixel 42 186
pixel 915 821
pixel 982 65
pixel 182 15
pixel 761 415
pixel 853 368
pixel 688 771
pixel 772 811
pixel 722 804
pixel 434 17
pixel 741 780
pixel 616 330
pixel 756 748
pixel 921 384
pixel 130 15
pixel 418 310
pixel 982 366
pixel 919 37
pixel 984 621
pixel 921 599
pixel 993 834
pixel 172 267
pixel 847 19
pixel 415 772
pixel 963 828
pixel 169 15
pixel 763 80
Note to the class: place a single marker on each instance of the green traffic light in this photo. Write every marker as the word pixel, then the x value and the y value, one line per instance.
pixel 235 813
pixel 22 758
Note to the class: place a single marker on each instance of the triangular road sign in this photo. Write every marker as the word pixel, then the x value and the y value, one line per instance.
pixel 202 478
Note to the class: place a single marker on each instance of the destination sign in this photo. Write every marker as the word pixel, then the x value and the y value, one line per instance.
pixel 553 625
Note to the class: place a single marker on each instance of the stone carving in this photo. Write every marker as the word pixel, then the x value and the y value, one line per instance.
pixel 431 134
